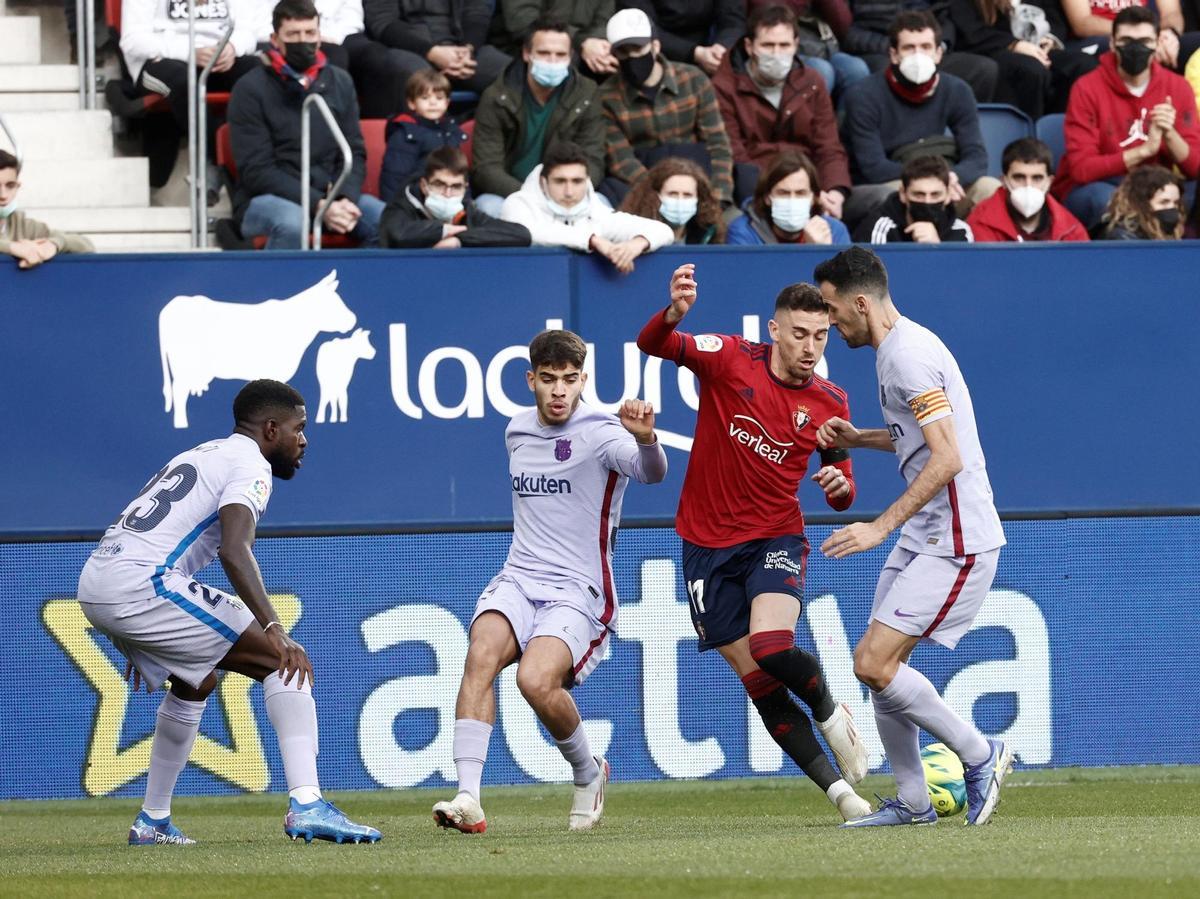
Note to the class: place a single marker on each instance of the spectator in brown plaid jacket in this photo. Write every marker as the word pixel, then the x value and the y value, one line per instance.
pixel 655 109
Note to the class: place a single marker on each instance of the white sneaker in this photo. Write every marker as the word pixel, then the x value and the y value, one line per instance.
pixel 842 736
pixel 462 813
pixel 853 806
pixel 588 804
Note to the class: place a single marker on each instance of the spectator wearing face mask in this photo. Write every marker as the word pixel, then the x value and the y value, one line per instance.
pixel 904 112
pixel 558 205
pixel 27 240
pixel 434 211
pixel 920 211
pixel 655 108
pixel 696 32
pixel 785 208
pixel 585 21
pixel 1147 206
pixel 677 193
pixel 772 102
pixel 825 25
pixel 539 100
pixel 1128 113
pixel 1023 209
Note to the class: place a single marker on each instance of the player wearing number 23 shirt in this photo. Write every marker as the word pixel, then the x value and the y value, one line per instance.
pixel 744 550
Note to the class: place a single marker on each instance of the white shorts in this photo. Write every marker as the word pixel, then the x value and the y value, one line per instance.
pixel 935 597
pixel 547 610
pixel 183 631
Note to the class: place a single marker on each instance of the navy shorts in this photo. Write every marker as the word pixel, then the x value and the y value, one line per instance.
pixel 721 583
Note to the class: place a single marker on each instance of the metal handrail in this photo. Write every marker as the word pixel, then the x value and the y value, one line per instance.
pixel 201 138
pixel 191 92
pixel 81 33
pixel 306 168
pixel 12 139
pixel 90 51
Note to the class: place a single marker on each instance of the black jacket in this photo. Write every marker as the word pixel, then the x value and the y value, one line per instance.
pixel 406 225
pixel 410 139
pixel 264 126
pixel 418 25
pixel 871 19
pixel 887 223
pixel 684 25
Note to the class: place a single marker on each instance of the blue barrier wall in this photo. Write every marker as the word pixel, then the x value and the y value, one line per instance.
pixel 1080 360
pixel 1075 658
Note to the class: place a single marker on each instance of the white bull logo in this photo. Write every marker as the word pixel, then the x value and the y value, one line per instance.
pixel 201 339
pixel 336 359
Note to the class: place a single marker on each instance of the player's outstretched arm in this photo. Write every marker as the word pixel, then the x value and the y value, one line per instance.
pixel 837 433
pixel 237 538
pixel 647 462
pixel 658 337
pixel 683 292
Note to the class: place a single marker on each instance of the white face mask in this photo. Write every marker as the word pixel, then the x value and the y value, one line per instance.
pixel 678 210
pixel 443 208
pixel 6 211
pixel 1027 200
pixel 918 67
pixel 571 213
pixel 791 214
pixel 773 67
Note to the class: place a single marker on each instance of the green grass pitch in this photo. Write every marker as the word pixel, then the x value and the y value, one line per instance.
pixel 1132 832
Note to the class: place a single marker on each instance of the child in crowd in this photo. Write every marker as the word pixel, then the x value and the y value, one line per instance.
pixel 413 135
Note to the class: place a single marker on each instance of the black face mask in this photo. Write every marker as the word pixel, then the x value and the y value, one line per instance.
pixel 1134 57
pixel 937 213
pixel 637 69
pixel 300 55
pixel 1168 219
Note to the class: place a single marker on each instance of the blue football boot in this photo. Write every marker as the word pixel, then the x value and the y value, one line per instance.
pixel 322 820
pixel 984 782
pixel 893 812
pixel 146 831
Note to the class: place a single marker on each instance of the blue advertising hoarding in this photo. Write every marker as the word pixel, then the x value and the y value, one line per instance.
pixel 411 364
pixel 1075 658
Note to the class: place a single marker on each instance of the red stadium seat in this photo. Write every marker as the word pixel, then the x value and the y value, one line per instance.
pixel 373 131
pixel 468 128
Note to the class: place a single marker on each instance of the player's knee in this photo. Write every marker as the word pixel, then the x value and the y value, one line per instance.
pixel 194 694
pixel 769 649
pixel 869 668
pixel 537 685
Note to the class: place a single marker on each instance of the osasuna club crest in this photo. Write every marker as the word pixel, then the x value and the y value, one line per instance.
pixel 800 418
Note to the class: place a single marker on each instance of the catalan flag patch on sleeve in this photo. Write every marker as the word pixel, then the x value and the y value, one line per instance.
pixel 930 406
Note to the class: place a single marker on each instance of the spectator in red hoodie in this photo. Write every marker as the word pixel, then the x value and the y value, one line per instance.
pixel 1129 112
pixel 772 102
pixel 1023 209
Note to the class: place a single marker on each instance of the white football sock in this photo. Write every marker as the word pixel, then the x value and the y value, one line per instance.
pixel 293 714
pixel 911 693
pixel 578 752
pixel 902 742
pixel 174 733
pixel 470 752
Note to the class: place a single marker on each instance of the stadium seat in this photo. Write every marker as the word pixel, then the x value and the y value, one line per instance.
pixel 468 128
pixel 1001 125
pixel 1050 132
pixel 374 137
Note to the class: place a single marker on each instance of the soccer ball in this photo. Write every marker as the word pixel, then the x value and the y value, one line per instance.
pixel 944 777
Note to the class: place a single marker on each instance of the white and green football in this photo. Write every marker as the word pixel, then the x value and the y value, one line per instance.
pixel 944 777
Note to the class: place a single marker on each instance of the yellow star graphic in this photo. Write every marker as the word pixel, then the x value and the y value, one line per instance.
pixel 108 766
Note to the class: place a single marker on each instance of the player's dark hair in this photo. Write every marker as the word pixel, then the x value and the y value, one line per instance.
pixel 802 297
pixel 1135 15
pixel 562 152
pixel 913 20
pixel 856 270
pixel 295 10
pixel 557 349
pixel 1027 149
pixel 8 161
pixel 259 399
pixel 545 22
pixel 925 167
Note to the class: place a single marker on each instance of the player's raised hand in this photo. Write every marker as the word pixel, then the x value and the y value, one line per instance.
pixel 853 538
pixel 837 433
pixel 293 660
pixel 833 481
pixel 637 416
pixel 683 291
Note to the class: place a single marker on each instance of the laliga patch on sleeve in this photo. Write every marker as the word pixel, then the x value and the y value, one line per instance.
pixel 259 492
pixel 708 343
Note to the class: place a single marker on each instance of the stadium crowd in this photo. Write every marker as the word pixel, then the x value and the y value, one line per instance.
pixel 619 126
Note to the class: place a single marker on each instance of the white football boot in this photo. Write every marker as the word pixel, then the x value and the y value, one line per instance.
pixel 588 805
pixel 848 748
pixel 462 813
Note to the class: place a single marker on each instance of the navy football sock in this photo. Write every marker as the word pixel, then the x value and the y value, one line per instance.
pixel 790 728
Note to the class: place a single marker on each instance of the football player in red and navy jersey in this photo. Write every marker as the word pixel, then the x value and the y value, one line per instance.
pixel 739 516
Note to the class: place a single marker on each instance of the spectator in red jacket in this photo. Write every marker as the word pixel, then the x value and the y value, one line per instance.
pixel 826 25
pixel 1129 112
pixel 1023 209
pixel 772 102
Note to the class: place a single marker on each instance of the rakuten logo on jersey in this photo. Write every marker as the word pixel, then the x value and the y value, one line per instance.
pixel 749 433
pixel 539 485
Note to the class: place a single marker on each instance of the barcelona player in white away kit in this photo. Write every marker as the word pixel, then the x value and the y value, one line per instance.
pixel 941 569
pixel 139 589
pixel 553 605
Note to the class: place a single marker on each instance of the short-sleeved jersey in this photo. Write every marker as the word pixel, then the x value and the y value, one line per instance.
pixel 173 523
pixel 920 383
pixel 754 435
pixel 568 482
